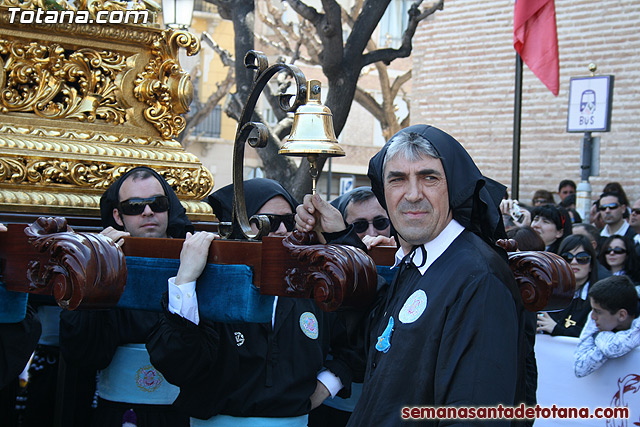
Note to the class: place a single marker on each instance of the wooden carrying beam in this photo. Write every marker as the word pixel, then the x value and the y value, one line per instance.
pixel 86 270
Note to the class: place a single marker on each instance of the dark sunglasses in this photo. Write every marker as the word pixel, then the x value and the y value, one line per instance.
pixel 380 223
pixel 276 220
pixel 136 206
pixel 581 257
pixel 611 206
pixel 617 250
pixel 635 211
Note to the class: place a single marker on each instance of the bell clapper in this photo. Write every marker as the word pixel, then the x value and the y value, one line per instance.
pixel 313 171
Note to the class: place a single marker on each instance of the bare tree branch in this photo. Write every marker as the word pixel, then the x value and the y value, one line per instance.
pixel 415 16
pixel 307 12
pixel 399 81
pixel 222 89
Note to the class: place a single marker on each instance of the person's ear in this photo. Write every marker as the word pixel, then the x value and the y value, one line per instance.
pixel 559 233
pixel 117 218
pixel 622 314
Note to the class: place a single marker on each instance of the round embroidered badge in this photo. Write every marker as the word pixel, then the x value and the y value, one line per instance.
pixel 309 325
pixel 148 379
pixel 239 338
pixel 413 307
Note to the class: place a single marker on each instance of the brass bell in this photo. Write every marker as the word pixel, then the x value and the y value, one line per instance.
pixel 312 131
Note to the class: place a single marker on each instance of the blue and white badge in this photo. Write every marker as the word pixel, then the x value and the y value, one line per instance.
pixel 239 338
pixel 309 325
pixel 413 307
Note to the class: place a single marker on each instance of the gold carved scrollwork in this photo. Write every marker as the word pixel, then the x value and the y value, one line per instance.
pixel 164 86
pixel 52 83
pixel 192 183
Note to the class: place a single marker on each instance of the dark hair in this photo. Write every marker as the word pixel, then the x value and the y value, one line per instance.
pixel 615 293
pixel 577 240
pixel 622 199
pixel 566 183
pixel 568 201
pixel 360 195
pixel 631 263
pixel 528 239
pixel 615 187
pixel 589 228
pixel 574 215
pixel 559 216
pixel 543 194
pixel 140 174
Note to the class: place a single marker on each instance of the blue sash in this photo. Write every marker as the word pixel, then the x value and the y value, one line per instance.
pixel 131 378
pixel 229 421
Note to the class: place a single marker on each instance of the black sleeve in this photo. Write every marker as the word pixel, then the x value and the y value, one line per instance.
pixel 579 311
pixel 184 352
pixel 348 236
pixel 89 338
pixel 17 342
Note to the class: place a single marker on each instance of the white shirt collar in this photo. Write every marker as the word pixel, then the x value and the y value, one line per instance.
pixel 434 248
pixel 582 293
pixel 606 231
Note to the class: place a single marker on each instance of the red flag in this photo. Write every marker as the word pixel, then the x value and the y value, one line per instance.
pixel 535 38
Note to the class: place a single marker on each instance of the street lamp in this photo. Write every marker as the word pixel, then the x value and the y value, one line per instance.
pixel 177 13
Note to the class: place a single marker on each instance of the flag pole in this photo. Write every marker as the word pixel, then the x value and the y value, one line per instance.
pixel 517 113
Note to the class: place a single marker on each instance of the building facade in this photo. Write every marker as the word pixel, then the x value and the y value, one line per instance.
pixel 464 68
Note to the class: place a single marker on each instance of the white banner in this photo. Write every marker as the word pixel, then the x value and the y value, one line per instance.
pixel 615 384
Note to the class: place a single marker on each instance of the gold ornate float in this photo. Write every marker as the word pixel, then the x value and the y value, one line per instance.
pixel 80 104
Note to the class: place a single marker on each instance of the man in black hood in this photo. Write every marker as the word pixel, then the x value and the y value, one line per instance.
pixel 246 374
pixel 139 204
pixel 142 204
pixel 448 331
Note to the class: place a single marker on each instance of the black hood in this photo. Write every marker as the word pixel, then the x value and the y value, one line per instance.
pixel 257 192
pixel 473 199
pixel 341 202
pixel 179 224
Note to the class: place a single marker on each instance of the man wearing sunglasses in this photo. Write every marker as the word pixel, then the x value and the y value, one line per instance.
pixel 612 209
pixel 361 208
pixel 139 204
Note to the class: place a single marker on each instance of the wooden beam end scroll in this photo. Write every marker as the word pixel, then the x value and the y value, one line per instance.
pixel 82 270
pixel 334 275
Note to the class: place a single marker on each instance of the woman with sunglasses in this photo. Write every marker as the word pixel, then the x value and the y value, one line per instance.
pixel 553 224
pixel 579 253
pixel 247 374
pixel 619 256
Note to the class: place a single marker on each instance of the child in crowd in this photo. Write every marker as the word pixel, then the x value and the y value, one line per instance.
pixel 613 328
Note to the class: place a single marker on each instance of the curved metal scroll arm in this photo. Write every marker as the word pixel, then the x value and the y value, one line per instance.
pixel 257 135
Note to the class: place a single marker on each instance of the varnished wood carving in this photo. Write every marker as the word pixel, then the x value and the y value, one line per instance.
pixel 83 269
pixel 335 275
pixel 545 279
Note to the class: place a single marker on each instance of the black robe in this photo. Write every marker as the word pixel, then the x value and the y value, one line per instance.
pixel 90 339
pixel 462 351
pixel 247 369
pixel 572 319
pixel 17 342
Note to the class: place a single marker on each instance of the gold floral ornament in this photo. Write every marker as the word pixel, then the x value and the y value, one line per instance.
pixel 164 86
pixel 54 84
